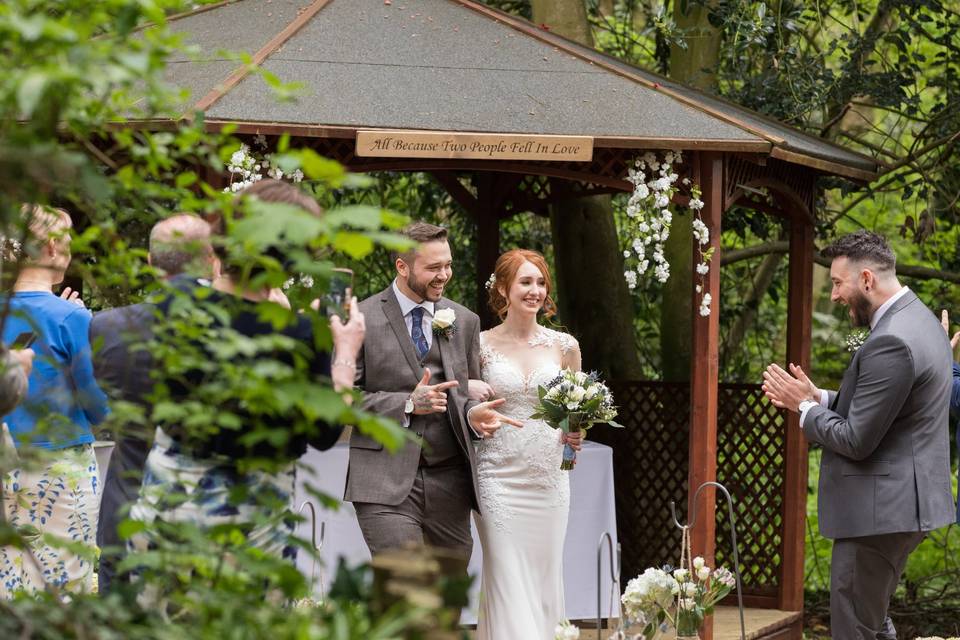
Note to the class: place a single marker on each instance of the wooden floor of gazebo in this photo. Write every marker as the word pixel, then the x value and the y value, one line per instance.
pixel 761 624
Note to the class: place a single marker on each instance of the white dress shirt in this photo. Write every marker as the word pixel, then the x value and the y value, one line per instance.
pixel 407 306
pixel 806 405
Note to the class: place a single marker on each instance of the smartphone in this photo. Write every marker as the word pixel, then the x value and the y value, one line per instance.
pixel 338 296
pixel 24 340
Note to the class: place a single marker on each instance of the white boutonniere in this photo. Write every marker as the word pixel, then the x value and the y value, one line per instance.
pixel 444 323
pixel 856 339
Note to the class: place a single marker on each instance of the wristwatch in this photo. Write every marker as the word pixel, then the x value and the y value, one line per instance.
pixel 408 407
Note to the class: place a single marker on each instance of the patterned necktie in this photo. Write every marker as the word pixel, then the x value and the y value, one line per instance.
pixel 419 340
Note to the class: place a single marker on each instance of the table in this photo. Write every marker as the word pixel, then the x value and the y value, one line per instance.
pixel 591 514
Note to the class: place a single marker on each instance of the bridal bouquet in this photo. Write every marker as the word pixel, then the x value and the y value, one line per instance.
pixel 572 401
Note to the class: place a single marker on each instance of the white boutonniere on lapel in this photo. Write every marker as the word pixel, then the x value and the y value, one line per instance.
pixel 444 323
pixel 856 339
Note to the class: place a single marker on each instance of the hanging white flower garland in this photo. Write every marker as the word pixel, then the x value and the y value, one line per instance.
pixel 245 167
pixel 650 217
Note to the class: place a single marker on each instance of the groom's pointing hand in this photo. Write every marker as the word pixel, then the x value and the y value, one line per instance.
pixel 430 398
pixel 485 419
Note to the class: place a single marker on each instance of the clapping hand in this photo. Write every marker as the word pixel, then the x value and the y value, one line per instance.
pixel 431 398
pixel 486 420
pixel 787 391
pixel 945 323
pixel 70 295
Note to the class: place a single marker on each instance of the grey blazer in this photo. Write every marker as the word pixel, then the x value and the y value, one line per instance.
pixel 886 449
pixel 387 371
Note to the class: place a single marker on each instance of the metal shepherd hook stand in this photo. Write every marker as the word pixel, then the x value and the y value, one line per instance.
pixel 313 541
pixel 733 539
pixel 614 575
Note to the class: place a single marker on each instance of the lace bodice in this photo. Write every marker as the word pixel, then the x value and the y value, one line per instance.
pixel 527 458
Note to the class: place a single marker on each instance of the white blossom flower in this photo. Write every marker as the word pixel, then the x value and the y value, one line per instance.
pixel 631 278
pixel 724 576
pixel 703 268
pixel 661 201
pixel 696 204
pixel 685 182
pixel 705 305
pixel 703 573
pixel 681 575
pixel 566 631
pixel 699 288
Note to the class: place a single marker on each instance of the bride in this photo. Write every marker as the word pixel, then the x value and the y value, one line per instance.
pixel 524 496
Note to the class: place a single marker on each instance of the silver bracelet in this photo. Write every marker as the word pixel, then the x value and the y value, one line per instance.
pixel 344 363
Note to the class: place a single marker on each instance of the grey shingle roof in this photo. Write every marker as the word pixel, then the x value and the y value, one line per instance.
pixel 453 65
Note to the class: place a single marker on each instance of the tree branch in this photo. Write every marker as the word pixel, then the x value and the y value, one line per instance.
pixel 782 246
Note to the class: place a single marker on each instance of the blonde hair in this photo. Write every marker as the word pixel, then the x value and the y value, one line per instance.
pixel 41 224
pixel 505 272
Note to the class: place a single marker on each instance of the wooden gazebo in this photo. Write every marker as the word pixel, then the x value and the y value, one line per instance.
pixel 447 87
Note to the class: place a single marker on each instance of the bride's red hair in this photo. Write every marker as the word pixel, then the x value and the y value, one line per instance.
pixel 504 274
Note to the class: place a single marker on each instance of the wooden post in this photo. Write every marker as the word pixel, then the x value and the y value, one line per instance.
pixel 488 241
pixel 799 318
pixel 705 371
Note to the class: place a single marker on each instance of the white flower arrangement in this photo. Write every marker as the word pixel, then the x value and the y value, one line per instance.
pixel 856 339
pixel 246 167
pixel 566 631
pixel 650 218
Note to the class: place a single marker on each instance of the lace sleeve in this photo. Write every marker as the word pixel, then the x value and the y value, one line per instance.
pixel 567 343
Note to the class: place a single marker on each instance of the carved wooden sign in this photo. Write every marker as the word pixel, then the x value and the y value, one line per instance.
pixel 473 146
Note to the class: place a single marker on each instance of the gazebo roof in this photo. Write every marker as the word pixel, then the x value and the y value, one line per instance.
pixel 456 65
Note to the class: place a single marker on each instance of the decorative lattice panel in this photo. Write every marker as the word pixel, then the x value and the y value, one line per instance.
pixel 650 458
pixel 750 463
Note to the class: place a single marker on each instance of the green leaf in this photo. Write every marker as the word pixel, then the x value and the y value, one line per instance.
pixel 129 528
pixel 355 245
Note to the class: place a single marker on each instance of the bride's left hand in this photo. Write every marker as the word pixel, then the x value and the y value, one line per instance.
pixel 480 391
pixel 575 440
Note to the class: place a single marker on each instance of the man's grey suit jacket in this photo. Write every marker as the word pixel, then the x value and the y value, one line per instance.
pixel 387 371
pixel 886 450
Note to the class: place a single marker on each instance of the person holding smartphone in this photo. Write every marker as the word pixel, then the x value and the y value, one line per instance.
pixel 53 422
pixel 206 475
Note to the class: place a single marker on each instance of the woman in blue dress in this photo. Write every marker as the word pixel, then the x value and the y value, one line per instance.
pixel 54 489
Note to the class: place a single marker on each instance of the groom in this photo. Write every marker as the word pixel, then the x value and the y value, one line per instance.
pixel 885 472
pixel 419 352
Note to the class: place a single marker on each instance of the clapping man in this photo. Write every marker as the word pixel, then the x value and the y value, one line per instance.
pixel 885 472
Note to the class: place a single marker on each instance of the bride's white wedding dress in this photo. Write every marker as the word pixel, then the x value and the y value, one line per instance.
pixel 524 499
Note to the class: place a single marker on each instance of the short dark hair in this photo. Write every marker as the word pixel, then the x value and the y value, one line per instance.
pixel 863 246
pixel 267 190
pixel 419 232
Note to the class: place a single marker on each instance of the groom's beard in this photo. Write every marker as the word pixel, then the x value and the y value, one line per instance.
pixel 422 289
pixel 860 310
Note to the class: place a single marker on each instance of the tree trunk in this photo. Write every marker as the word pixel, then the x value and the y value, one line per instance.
pixel 595 303
pixel 695 66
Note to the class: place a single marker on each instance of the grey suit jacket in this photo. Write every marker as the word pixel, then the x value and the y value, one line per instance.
pixel 886 450
pixel 387 371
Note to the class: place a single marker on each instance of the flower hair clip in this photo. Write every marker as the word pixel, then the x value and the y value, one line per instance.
pixel 492 280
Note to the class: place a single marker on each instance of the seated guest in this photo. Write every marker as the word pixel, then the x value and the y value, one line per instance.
pixel 231 473
pixel 125 369
pixel 58 493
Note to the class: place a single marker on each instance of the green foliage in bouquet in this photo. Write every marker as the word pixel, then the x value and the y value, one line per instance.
pixel 574 401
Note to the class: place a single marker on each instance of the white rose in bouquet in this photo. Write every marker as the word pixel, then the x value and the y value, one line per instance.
pixel 444 318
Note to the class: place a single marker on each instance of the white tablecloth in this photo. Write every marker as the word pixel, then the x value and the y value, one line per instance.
pixel 591 514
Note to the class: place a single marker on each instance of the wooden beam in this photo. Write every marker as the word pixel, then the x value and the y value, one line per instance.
pixel 799 321
pixel 272 45
pixel 488 242
pixel 449 181
pixel 826 166
pixel 705 371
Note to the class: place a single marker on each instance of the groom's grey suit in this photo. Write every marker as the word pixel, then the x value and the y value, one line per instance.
pixel 885 472
pixel 421 493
